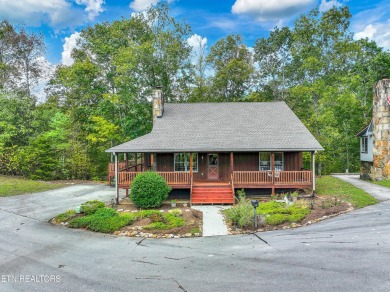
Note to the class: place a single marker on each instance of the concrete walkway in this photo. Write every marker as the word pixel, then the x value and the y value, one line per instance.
pixel 213 223
pixel 379 192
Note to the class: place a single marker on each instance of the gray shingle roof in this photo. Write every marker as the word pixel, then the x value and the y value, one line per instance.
pixel 241 126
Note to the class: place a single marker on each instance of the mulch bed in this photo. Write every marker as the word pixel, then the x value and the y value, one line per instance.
pixel 194 219
pixel 322 208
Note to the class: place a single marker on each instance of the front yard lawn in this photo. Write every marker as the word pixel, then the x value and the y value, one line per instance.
pixel 11 186
pixel 331 187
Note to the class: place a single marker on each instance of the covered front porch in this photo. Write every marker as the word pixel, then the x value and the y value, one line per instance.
pixel 212 177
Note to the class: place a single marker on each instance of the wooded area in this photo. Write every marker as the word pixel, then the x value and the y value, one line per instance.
pixel 103 99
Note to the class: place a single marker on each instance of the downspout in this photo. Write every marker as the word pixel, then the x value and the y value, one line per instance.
pixel 313 169
pixel 116 178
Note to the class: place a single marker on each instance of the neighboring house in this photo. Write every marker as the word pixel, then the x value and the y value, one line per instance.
pixel 375 137
pixel 232 145
pixel 366 136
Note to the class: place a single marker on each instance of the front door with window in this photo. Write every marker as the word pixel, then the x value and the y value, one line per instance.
pixel 213 168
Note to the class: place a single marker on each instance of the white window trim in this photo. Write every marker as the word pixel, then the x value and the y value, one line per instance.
pixel 187 164
pixel 270 157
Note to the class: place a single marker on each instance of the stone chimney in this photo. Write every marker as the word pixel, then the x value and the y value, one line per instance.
pixel 158 103
pixel 381 130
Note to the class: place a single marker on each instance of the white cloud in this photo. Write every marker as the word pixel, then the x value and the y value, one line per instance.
pixel 69 45
pixel 326 5
pixel 378 32
pixel 93 7
pixel 48 70
pixel 267 10
pixel 57 13
pixel 197 42
pixel 141 5
pixel 373 24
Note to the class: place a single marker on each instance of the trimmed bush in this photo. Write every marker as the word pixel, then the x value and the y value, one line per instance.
pixel 90 207
pixel 149 190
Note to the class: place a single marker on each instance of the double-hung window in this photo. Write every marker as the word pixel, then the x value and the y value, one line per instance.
pixel 182 162
pixel 265 161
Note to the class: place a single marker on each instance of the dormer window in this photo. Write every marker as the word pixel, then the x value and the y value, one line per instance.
pixel 364 144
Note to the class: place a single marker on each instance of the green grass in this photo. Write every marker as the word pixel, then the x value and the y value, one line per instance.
pixel 328 186
pixel 384 183
pixel 12 186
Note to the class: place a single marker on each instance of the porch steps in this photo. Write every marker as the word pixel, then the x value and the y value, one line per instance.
pixel 212 194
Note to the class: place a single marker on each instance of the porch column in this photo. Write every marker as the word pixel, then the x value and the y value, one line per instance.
pixel 116 178
pixel 142 162
pixel 191 165
pixel 126 161
pixel 231 162
pixel 273 172
pixel 313 169
pixel 152 162
pixel 136 161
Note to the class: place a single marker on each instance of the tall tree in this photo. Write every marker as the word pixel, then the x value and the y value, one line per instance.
pixel 233 67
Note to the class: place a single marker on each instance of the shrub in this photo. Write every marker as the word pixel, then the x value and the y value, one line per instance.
pixel 279 213
pixel 169 221
pixel 104 220
pixel 149 190
pixel 241 214
pixel 90 207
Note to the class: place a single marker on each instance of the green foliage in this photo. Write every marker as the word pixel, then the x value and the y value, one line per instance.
pixel 167 221
pixel 241 214
pixel 149 190
pixel 278 213
pixel 328 186
pixel 64 216
pixel 90 207
pixel 104 220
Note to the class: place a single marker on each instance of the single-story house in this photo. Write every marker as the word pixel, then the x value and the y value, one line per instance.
pixel 366 136
pixel 211 149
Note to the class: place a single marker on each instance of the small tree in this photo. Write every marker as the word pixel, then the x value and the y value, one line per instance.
pixel 149 190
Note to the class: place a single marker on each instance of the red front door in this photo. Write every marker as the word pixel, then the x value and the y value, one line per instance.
pixel 213 168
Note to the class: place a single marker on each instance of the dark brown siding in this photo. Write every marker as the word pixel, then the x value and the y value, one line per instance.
pixel 293 161
pixel 165 162
pixel 224 166
pixel 202 167
pixel 246 161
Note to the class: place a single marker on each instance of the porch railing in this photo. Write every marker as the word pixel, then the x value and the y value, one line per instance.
pixel 272 177
pixel 125 178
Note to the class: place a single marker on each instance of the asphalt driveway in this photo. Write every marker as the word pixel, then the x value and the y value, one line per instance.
pixel 347 253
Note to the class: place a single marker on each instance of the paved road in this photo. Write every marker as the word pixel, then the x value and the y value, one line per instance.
pixel 348 253
pixel 377 191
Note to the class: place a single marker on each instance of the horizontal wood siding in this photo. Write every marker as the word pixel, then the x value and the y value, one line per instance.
pixel 165 162
pixel 246 161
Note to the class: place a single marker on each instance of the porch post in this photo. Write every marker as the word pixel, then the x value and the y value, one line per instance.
pixel 191 165
pixel 142 162
pixel 116 178
pixel 136 161
pixel 231 162
pixel 273 172
pixel 152 166
pixel 313 169
pixel 126 160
